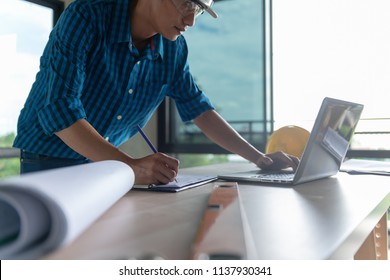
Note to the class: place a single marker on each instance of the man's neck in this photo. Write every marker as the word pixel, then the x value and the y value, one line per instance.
pixel 141 23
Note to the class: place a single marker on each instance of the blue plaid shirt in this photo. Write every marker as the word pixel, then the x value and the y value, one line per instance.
pixel 90 70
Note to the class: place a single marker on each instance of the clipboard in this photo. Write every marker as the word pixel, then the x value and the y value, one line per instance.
pixel 183 182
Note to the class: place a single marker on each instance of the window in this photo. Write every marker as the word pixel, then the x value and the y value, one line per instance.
pixel 320 48
pixel 229 59
pixel 335 48
pixel 24 31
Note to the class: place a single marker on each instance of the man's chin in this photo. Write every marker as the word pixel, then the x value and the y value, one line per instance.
pixel 171 37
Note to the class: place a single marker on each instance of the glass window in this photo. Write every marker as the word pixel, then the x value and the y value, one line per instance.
pixel 24 31
pixel 229 59
pixel 338 49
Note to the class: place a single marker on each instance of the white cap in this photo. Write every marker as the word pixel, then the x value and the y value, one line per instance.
pixel 207 4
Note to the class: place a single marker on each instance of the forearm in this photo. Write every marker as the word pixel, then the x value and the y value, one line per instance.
pixel 86 141
pixel 220 132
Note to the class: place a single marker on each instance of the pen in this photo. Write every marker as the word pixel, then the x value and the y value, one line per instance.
pixel 148 141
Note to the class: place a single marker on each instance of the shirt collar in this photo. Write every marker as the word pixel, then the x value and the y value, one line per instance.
pixel 153 51
pixel 157 46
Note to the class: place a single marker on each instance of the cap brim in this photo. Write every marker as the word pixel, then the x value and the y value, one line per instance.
pixel 212 13
pixel 207 8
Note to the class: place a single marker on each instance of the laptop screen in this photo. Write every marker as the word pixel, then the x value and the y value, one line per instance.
pixel 330 138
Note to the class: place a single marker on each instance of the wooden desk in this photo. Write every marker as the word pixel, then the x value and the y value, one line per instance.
pixel 325 219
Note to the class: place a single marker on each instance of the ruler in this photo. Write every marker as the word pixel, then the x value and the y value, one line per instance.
pixel 223 233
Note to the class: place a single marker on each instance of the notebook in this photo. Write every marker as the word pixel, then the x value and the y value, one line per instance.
pixel 324 152
pixel 184 182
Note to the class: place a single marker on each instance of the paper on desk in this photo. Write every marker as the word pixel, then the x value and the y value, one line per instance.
pixel 359 166
pixel 45 210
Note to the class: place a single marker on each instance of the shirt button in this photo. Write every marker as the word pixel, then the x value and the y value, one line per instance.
pixel 119 117
pixel 138 62
pixel 107 138
pixel 131 91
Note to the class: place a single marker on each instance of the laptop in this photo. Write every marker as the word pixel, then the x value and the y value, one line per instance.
pixel 324 152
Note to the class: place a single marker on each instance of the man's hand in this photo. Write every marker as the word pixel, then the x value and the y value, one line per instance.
pixel 158 168
pixel 277 161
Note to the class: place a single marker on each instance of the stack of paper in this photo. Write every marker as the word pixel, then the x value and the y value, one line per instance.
pixel 359 166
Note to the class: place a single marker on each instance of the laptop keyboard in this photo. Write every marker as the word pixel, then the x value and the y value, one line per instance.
pixel 275 176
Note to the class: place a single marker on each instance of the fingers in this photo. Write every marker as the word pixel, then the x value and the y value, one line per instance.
pixel 278 160
pixel 163 173
pixel 296 161
pixel 158 168
pixel 170 162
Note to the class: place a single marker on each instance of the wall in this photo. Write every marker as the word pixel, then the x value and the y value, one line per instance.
pixel 67 2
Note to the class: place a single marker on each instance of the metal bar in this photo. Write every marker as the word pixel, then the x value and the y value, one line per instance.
pixel 9 153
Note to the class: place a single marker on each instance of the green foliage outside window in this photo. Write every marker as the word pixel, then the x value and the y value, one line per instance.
pixel 9 167
pixel 191 160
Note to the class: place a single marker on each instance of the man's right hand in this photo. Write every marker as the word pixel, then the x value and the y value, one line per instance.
pixel 277 161
pixel 157 168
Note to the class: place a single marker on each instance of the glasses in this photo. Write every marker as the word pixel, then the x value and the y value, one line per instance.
pixel 187 7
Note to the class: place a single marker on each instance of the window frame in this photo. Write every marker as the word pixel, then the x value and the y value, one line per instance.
pixel 56 5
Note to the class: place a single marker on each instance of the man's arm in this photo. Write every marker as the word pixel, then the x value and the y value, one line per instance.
pixel 85 140
pixel 220 132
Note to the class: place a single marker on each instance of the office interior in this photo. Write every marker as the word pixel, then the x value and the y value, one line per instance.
pixel 307 50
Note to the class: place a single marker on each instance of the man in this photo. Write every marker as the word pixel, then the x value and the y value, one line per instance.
pixel 107 66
